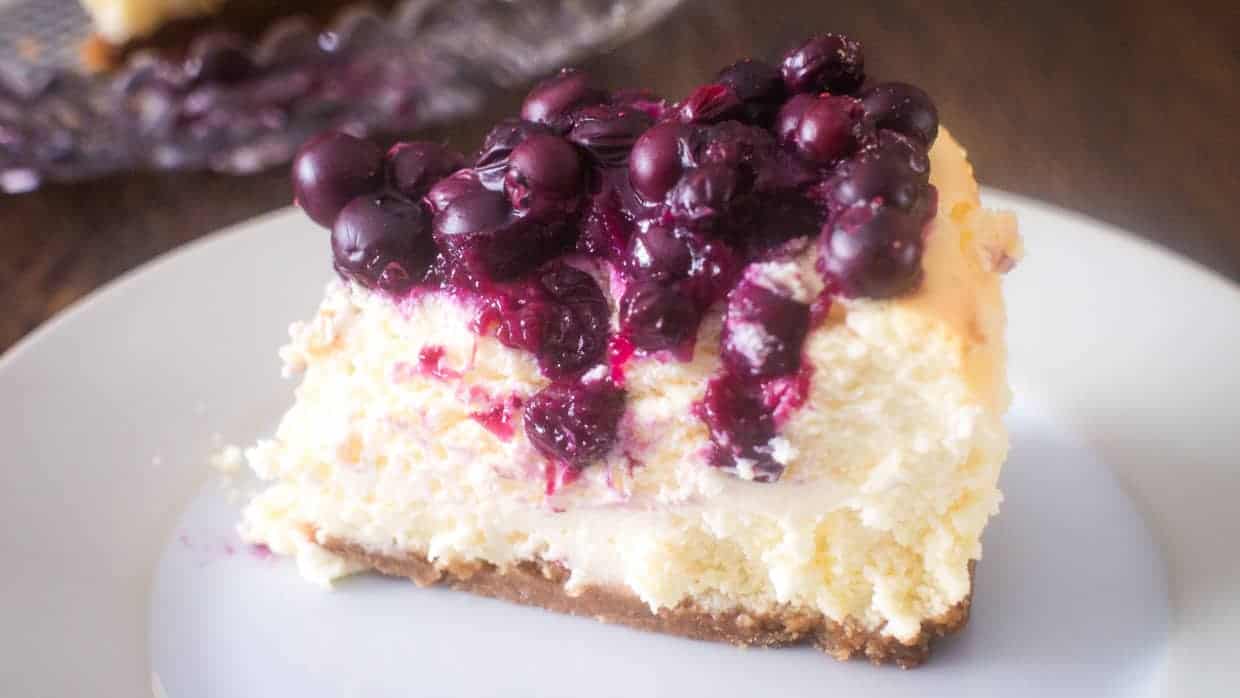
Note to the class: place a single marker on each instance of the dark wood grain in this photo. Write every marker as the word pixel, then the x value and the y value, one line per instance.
pixel 1127 111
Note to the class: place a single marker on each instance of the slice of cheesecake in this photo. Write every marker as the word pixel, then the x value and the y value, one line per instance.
pixel 730 368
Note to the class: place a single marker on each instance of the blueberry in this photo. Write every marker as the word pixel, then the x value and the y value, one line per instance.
pixel 608 133
pixel 413 167
pixel 902 107
pixel 741 426
pixel 831 128
pixel 450 188
pixel 478 229
pixel 544 177
pixel 874 250
pixel 788 121
pixel 758 86
pixel 709 104
pixel 574 423
pixel 657 252
pixel 704 195
pixel 331 170
pixel 552 100
pixel 657 316
pixel 574 334
pixel 895 169
pixel 655 163
pixel 383 242
pixel 763 331
pixel 492 162
pixel 825 63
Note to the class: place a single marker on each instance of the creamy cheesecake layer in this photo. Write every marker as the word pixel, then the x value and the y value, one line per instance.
pixel 120 21
pixel 891 465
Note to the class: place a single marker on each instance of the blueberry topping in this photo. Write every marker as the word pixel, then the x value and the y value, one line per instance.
pixel 574 423
pixel 331 170
pixel 552 100
pixel 902 107
pixel 492 162
pixel 658 253
pixel 825 63
pixel 218 58
pixel 655 163
pixel 383 242
pixel 829 128
pixel 681 208
pixel 658 317
pixel 758 86
pixel 574 337
pixel 544 176
pixel 608 133
pixel 763 331
pixel 416 166
pixel 874 249
pixel 709 104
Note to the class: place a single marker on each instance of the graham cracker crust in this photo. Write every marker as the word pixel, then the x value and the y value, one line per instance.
pixel 541 583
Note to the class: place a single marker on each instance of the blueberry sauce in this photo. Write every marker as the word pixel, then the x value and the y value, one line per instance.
pixel 677 202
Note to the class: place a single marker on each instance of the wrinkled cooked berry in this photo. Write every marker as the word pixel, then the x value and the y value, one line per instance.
pixel 895 169
pixel 830 128
pixel 758 86
pixel 825 63
pixel 331 170
pixel 656 316
pixel 741 428
pixel 574 423
pixel 704 194
pixel 608 133
pixel 383 242
pixel 413 167
pixel 492 162
pixel 478 230
pixel 574 336
pixel 658 253
pixel 709 104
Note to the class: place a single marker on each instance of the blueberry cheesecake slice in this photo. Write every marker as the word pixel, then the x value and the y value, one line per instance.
pixel 730 367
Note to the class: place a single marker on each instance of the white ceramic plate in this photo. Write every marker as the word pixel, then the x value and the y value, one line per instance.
pixel 1113 569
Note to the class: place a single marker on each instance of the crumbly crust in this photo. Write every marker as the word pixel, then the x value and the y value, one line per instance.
pixel 541 583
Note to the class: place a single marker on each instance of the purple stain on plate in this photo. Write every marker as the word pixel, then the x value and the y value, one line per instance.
pixel 260 552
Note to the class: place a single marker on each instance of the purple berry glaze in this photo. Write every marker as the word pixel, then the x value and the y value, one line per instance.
pixel 672 206
pixel 332 169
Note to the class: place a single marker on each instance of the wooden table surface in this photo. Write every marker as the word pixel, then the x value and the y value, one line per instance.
pixel 1128 111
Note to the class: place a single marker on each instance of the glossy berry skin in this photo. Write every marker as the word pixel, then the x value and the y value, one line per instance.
pixel 896 169
pixel 545 176
pixel 383 242
pixel 788 120
pixel 825 63
pixel 414 167
pixel 704 194
pixel 656 317
pixel 829 128
pixel 904 108
pixel 492 162
pixel 873 250
pixel 450 188
pixel 658 253
pixel 758 86
pixel 574 334
pixel 763 332
pixel 478 229
pixel 331 170
pixel 709 104
pixel 608 133
pixel 552 100
pixel 573 423
pixel 655 163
